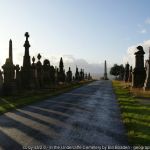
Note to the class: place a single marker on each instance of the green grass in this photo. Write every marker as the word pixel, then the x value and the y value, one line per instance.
pixel 8 103
pixel 136 116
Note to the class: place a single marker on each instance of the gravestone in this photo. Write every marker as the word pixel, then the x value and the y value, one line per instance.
pixel 77 74
pixel 1 81
pixel 9 85
pixel 46 73
pixel 130 74
pixel 26 71
pixel 105 71
pixel 138 75
pixel 69 75
pixel 126 74
pixel 39 72
pixel 34 82
pixel 18 77
pixel 52 75
pixel 56 75
pixel 10 51
pixel 147 80
pixel 89 77
pixel 81 75
pixel 86 76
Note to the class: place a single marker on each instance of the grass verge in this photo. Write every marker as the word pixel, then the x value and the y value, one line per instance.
pixel 8 103
pixel 135 115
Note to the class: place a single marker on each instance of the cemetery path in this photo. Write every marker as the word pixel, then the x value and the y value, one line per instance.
pixel 88 115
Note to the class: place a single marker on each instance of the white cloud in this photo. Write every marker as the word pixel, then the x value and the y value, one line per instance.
pixel 143 31
pixel 96 69
pixel 130 57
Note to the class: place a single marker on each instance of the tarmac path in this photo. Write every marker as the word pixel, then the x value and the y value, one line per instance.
pixel 87 116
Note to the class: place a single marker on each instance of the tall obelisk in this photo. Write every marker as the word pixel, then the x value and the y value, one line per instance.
pixel 105 71
pixel 10 51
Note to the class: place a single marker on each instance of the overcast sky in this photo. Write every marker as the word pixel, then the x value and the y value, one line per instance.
pixel 83 31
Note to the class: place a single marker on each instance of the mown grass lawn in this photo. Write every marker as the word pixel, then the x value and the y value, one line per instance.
pixel 23 98
pixel 135 115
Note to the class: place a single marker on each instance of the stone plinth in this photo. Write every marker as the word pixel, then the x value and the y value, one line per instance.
pixel 9 86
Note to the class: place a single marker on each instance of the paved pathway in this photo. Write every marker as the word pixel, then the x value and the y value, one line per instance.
pixel 85 116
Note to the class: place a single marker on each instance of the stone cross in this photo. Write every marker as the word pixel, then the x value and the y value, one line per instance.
pixel 27 36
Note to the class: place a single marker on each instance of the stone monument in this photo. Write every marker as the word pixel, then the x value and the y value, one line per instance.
pixel 1 82
pixel 39 71
pixel 18 77
pixel 147 80
pixel 69 75
pixel 138 76
pixel 26 71
pixel 10 51
pixel 105 71
pixel 46 73
pixel 52 75
pixel 34 82
pixel 77 74
pixel 9 85
pixel 126 74
pixel 130 74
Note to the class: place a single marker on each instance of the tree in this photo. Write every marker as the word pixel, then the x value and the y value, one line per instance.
pixel 117 70
pixel 122 71
pixel 61 73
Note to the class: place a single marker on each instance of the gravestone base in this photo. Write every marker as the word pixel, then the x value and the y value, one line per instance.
pixel 26 78
pixel 147 85
pixel 146 88
pixel 138 78
pixel 105 76
pixel 9 89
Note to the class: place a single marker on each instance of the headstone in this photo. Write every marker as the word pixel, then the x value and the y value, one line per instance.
pixel 126 74
pixel 26 71
pixel 73 78
pixel 81 77
pixel 86 76
pixel 18 77
pixel 89 77
pixel 52 75
pixel 77 74
pixel 1 81
pixel 56 75
pixel 39 72
pixel 138 76
pixel 46 73
pixel 34 82
pixel 130 74
pixel 69 75
pixel 9 86
pixel 147 80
